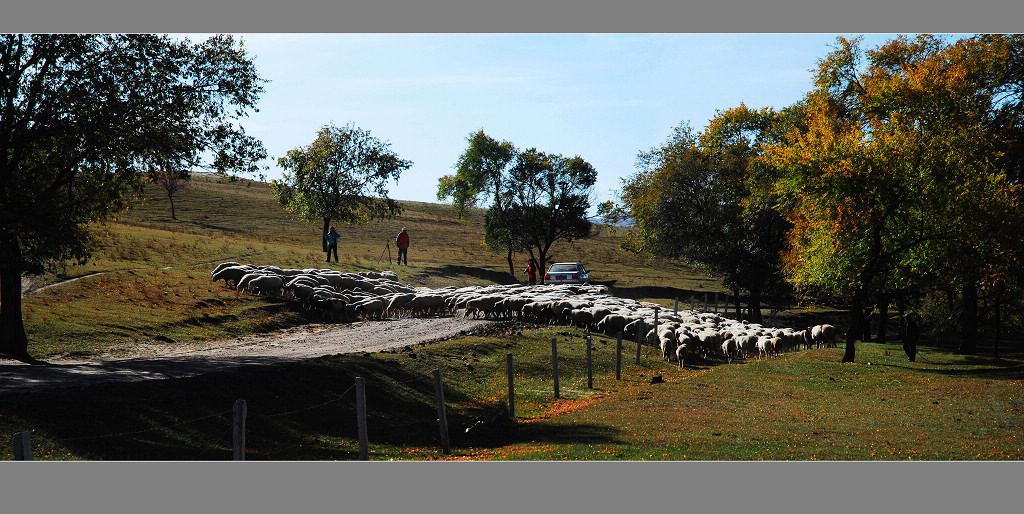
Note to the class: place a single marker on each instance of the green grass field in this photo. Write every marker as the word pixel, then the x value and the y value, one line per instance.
pixel 150 276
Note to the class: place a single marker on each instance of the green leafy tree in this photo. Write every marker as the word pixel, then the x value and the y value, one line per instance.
pixel 551 200
pixel 84 119
pixel 341 176
pixel 481 174
pixel 693 199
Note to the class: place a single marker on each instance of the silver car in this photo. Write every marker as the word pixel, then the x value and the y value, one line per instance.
pixel 567 273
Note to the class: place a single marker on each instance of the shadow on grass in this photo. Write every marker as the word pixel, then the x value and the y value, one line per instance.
pixel 999 370
pixel 294 410
pixel 451 270
pixel 637 292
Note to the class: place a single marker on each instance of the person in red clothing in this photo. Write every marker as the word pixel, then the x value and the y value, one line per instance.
pixel 531 272
pixel 402 242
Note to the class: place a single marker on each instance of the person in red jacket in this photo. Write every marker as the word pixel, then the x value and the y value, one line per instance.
pixel 531 272
pixel 402 242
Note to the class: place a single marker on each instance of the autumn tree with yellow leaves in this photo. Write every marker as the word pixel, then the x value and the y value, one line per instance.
pixel 903 173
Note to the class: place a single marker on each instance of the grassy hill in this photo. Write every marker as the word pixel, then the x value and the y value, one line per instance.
pixel 150 277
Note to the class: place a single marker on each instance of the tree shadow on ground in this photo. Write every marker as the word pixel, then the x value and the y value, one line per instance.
pixel 451 271
pixel 670 293
pixel 1000 370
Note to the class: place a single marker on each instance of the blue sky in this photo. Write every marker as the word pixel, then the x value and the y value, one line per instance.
pixel 604 97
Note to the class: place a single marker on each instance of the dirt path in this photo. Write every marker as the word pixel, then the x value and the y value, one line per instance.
pixel 155 361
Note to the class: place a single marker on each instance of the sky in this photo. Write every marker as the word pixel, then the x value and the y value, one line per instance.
pixel 604 97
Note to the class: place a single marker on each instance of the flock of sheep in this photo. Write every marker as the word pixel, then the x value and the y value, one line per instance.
pixel 372 295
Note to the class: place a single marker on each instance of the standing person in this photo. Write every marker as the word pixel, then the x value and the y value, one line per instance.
pixel 332 244
pixel 531 271
pixel 402 242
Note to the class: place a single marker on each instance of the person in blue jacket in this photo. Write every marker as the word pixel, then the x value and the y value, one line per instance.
pixel 332 244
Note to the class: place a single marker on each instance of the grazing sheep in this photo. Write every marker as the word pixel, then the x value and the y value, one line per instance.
pixel 371 309
pixel 824 335
pixel 398 302
pixel 729 349
pixel 667 342
pixel 683 350
pixel 611 324
pixel 765 347
pixel 266 285
pixel 230 274
pixel 581 318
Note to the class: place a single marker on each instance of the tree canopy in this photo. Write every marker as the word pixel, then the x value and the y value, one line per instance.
pixel 694 198
pixel 84 118
pixel 535 198
pixel 900 175
pixel 341 176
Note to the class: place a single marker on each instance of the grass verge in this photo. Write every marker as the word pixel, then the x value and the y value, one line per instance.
pixel 801 406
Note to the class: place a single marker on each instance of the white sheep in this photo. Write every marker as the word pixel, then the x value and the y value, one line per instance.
pixel 824 335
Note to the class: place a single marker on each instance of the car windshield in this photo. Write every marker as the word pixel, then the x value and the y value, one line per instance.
pixel 562 268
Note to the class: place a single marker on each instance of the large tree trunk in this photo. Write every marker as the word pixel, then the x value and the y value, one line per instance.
pixel 327 228
pixel 883 316
pixel 865 326
pixel 901 304
pixel 542 263
pixel 999 328
pixel 738 304
pixel 857 320
pixel 511 268
pixel 13 340
pixel 754 306
pixel 969 329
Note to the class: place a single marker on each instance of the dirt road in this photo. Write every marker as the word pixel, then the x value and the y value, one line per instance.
pixel 156 361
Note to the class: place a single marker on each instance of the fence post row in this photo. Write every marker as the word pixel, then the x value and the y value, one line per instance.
pixel 23 446
pixel 442 415
pixel 364 445
pixel 238 429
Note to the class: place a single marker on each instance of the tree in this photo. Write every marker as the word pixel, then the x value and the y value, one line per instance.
pixel 694 198
pixel 898 177
pixel 551 200
pixel 172 184
pixel 481 172
pixel 85 118
pixel 341 176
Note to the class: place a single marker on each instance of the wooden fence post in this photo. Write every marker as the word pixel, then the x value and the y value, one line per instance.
pixel 705 302
pixel 238 430
pixel 656 309
pixel 639 338
pixel 590 366
pixel 675 307
pixel 554 364
pixel 442 415
pixel 716 301
pixel 511 388
pixel 618 357
pixel 22 446
pixel 364 446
